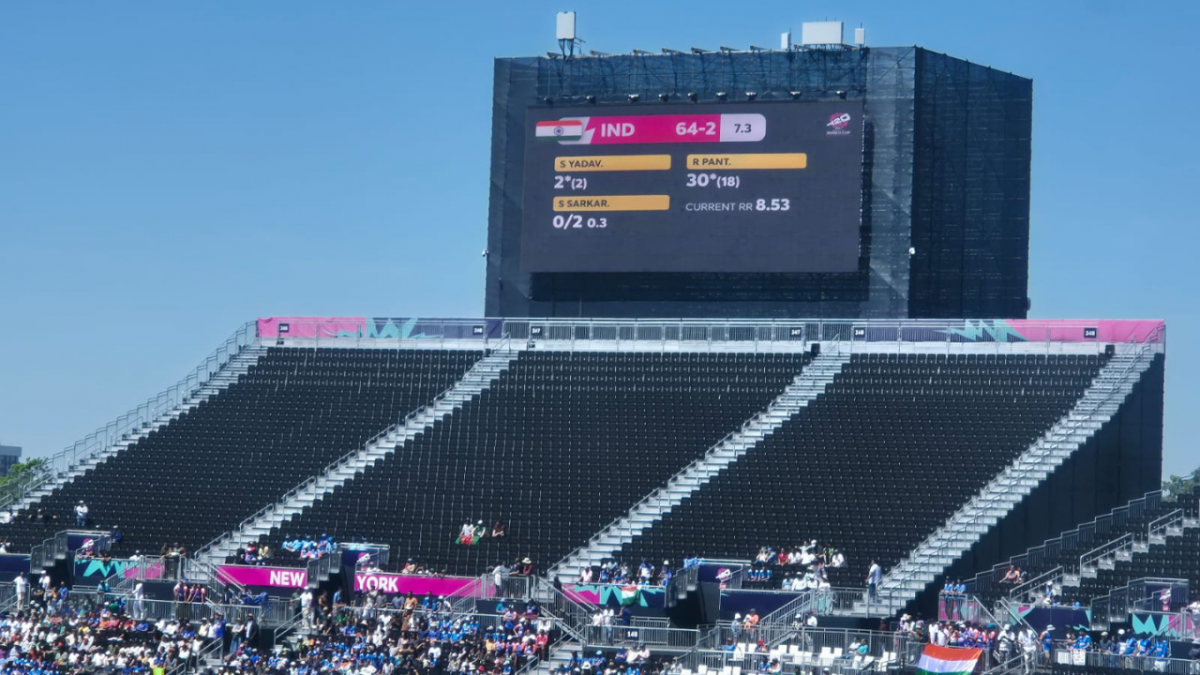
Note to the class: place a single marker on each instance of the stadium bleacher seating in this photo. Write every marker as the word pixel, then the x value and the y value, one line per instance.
pixel 1176 558
pixel 296 411
pixel 1066 550
pixel 561 445
pixel 894 446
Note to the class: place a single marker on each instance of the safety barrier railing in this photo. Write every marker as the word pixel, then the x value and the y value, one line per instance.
pixel 966 520
pixel 146 568
pixel 710 334
pixel 1115 662
pixel 804 648
pixel 1161 527
pixel 1183 625
pixel 825 601
pixel 1109 550
pixel 8 596
pixel 1025 590
pixel 1116 605
pixel 1051 551
pixel 572 617
pixel 272 613
pixel 140 418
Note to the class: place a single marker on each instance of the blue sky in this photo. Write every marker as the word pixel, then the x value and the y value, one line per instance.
pixel 171 170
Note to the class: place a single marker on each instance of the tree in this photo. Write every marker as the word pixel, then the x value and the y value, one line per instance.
pixel 1178 486
pixel 19 474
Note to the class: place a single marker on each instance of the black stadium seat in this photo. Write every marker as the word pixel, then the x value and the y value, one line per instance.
pixel 561 445
pixel 896 444
pixel 295 412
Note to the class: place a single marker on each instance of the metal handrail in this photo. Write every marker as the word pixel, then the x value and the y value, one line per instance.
pixel 1122 543
pixel 140 418
pixel 1038 581
pixel 324 474
pixel 1107 521
pixel 1160 526
pixel 1000 484
pixel 657 493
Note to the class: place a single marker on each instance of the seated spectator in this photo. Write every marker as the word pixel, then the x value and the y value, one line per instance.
pixel 498 530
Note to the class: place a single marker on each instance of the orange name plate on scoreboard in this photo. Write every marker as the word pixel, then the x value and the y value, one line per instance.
pixel 614 163
pixel 614 203
pixel 773 160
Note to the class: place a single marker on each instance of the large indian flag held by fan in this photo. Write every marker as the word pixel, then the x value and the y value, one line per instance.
pixel 937 660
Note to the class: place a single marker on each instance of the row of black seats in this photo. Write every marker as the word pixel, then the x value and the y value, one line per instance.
pixel 842 470
pixel 242 449
pixel 555 462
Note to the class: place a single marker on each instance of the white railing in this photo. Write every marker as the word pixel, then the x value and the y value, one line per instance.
pixel 712 334
pixel 1029 587
pixel 1052 549
pixel 138 419
pixel 1122 544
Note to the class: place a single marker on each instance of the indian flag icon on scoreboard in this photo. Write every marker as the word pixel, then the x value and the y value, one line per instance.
pixel 560 130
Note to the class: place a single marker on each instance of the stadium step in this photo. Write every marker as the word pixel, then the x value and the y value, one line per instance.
pixel 481 375
pixel 1103 398
pixel 233 369
pixel 805 388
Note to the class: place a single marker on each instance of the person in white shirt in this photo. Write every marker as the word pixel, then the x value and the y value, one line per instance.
pixel 839 560
pixel 81 514
pixel 21 583
pixel 139 601
pixel 306 608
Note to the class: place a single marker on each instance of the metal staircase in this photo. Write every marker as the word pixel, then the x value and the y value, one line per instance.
pixel 1098 404
pixel 475 381
pixel 170 405
pixel 805 388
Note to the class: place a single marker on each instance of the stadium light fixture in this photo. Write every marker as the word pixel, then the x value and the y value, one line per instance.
pixel 593 52
pixel 553 55
pixel 640 52
pixel 692 96
pixel 721 96
pixel 756 48
pixel 634 98
pixel 664 97
pixel 668 50
pixel 751 95
pixel 697 50
pixel 728 49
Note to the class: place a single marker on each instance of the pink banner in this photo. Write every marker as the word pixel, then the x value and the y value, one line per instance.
pixel 401 584
pixel 733 128
pixel 278 577
pixel 311 327
pixel 1090 331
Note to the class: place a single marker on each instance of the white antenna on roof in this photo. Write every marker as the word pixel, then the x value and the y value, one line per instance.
pixel 564 30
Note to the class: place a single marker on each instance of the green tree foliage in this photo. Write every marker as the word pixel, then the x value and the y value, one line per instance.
pixel 18 475
pixel 1180 485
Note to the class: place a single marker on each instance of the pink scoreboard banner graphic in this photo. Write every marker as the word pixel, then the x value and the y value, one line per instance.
pixel 275 577
pixel 641 129
pixel 997 330
pixel 403 584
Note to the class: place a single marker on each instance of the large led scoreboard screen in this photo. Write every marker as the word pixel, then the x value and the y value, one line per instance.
pixel 723 187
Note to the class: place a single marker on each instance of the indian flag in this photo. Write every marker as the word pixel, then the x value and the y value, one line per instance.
pixel 937 660
pixel 628 594
pixel 561 130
